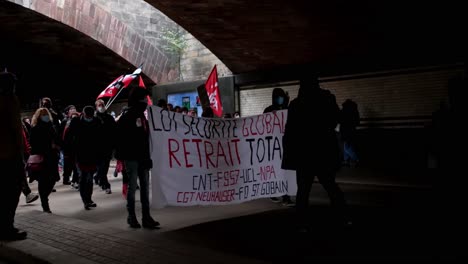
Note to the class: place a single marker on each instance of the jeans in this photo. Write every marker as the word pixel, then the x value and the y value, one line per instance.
pixel 45 186
pixel 134 172
pixel 349 152
pixel 69 166
pixel 102 170
pixel 86 186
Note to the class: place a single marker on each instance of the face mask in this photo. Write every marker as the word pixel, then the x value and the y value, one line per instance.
pixel 101 109
pixel 279 100
pixel 88 119
pixel 45 118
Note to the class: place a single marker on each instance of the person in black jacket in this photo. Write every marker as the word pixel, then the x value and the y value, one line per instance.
pixel 86 135
pixel 134 151
pixel 318 108
pixel 107 145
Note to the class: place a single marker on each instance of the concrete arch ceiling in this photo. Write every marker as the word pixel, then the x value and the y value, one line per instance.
pixel 63 51
pixel 335 36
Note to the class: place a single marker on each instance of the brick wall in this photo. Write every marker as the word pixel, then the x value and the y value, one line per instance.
pixel 126 27
pixel 133 29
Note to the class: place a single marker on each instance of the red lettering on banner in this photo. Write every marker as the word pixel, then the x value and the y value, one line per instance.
pixel 245 130
pixel 208 154
pixel 251 127
pixel 260 118
pixel 263 124
pixel 267 172
pixel 277 122
pixel 171 152
pixel 197 141
pixel 217 196
pixel 220 153
pixel 268 123
pixel 187 164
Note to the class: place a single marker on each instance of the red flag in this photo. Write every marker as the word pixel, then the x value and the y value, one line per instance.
pixel 142 84
pixel 120 83
pixel 212 89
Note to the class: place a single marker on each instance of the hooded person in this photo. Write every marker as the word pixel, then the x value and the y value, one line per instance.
pixel 279 100
pixel 317 107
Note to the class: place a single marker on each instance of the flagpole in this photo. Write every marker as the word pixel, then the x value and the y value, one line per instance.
pixel 113 98
pixel 120 90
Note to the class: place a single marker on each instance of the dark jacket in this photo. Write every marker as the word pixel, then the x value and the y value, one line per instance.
pixel 133 141
pixel 277 92
pixel 86 139
pixel 43 135
pixel 309 139
pixel 109 130
pixel 349 120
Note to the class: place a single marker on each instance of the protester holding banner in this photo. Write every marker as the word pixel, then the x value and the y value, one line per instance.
pixel 319 107
pixel 280 101
pixel 134 151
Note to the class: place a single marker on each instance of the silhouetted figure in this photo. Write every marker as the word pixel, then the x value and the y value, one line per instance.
pixel 349 120
pixel 315 108
pixel 162 103
pixel 279 101
pixel 451 179
pixel 11 158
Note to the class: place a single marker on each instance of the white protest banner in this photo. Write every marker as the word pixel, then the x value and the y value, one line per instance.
pixel 213 161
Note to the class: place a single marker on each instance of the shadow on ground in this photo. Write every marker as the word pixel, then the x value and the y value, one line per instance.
pixel 403 225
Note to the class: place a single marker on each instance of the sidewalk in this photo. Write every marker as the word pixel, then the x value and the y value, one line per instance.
pixel 253 232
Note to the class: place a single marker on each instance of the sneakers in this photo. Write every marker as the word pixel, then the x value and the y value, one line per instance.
pixel 108 191
pixel 31 197
pixel 88 206
pixel 275 199
pixel 289 203
pixel 54 190
pixel 148 222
